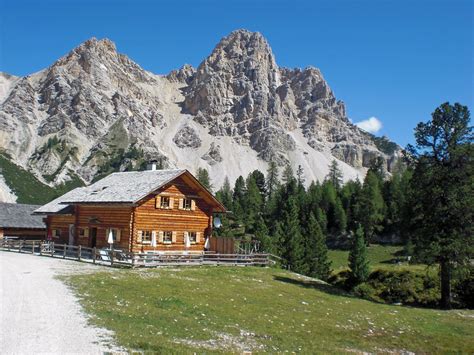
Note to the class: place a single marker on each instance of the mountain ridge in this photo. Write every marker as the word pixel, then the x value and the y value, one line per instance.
pixel 94 111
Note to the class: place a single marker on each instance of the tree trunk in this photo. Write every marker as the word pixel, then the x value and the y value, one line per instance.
pixel 445 284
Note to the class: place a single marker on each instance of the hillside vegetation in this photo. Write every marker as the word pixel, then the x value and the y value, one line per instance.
pixel 229 310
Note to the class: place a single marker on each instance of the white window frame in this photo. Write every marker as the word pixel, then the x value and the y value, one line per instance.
pixel 190 200
pixel 165 198
pixel 190 236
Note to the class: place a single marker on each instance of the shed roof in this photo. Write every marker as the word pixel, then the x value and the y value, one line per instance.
pixel 16 215
pixel 123 187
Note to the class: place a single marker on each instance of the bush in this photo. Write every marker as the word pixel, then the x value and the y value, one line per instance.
pixel 407 287
pixel 463 288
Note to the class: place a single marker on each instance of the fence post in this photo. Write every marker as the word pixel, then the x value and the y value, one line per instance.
pixel 64 251
pixel 93 255
pixel 111 257
pixel 41 248
pixel 79 250
pixel 33 247
pixel 8 244
pixel 20 246
pixel 52 249
pixel 133 260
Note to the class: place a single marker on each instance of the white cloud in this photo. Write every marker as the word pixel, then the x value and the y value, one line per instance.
pixel 371 125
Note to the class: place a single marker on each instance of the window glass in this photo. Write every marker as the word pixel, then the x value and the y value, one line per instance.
pixel 167 237
pixel 192 237
pixel 146 237
pixel 187 203
pixel 165 202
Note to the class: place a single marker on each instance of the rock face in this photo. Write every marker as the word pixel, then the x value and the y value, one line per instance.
pixel 95 108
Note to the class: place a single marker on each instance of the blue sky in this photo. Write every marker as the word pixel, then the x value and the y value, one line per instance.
pixel 393 60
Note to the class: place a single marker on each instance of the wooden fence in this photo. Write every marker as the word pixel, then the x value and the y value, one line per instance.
pixel 127 259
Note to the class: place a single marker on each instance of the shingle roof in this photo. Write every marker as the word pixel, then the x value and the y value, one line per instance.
pixel 124 187
pixel 15 215
pixel 56 206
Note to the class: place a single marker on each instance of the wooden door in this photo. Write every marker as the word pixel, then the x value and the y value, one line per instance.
pixel 93 237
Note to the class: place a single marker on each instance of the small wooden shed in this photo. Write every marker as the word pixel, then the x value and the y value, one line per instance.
pixel 17 221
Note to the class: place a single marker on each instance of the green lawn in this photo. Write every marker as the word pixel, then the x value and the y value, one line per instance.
pixel 232 309
pixel 380 256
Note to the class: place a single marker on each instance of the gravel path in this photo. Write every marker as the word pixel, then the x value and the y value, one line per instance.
pixel 39 314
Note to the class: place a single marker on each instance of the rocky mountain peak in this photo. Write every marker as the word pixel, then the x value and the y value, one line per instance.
pixel 95 110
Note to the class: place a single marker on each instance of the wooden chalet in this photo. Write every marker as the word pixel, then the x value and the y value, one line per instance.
pixel 153 210
pixel 18 222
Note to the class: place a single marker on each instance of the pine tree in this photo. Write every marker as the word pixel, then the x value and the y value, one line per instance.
pixel 260 181
pixel 317 260
pixel 358 263
pixel 300 176
pixel 224 195
pixel 253 204
pixel 372 206
pixel 272 179
pixel 288 174
pixel 293 248
pixel 238 198
pixel 339 215
pixel 203 177
pixel 335 174
pixel 262 235
pixel 443 192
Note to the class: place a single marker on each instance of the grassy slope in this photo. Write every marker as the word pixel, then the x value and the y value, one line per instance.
pixel 28 188
pixel 223 309
pixel 380 257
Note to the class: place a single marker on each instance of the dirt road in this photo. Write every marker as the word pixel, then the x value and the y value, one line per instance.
pixel 39 314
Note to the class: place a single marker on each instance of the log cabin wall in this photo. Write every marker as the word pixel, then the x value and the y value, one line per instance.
pixel 58 227
pixel 150 217
pixel 103 217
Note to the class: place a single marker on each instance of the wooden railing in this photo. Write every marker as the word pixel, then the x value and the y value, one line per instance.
pixel 114 257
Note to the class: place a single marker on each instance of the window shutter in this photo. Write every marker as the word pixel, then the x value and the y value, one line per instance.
pixel 180 203
pixel 171 203
pixel 153 237
pixel 140 237
pixel 160 237
pixel 119 232
pixel 158 202
pixel 173 237
pixel 86 232
pixel 198 237
pixel 193 205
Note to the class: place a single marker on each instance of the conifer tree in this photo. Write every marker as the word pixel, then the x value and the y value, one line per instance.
pixel 261 183
pixel 443 192
pixel 335 174
pixel 224 195
pixel 358 263
pixel 253 204
pixel 317 260
pixel 372 206
pixel 272 179
pixel 293 248
pixel 238 198
pixel 340 220
pixel 300 175
pixel 203 177
pixel 288 174
pixel 262 235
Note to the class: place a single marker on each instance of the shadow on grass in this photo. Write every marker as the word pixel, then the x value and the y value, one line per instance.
pixel 326 288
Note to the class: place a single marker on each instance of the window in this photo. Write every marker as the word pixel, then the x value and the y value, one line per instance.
pixel 192 237
pixel 187 203
pixel 165 202
pixel 83 232
pixel 56 233
pixel 167 237
pixel 145 237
